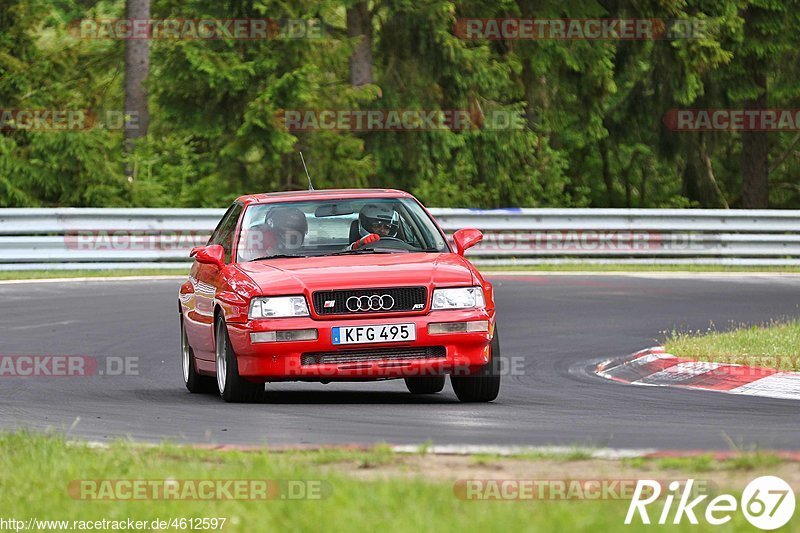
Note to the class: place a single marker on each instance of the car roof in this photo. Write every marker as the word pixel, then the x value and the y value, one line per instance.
pixel 324 194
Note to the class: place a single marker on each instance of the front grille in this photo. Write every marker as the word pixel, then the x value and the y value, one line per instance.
pixel 404 298
pixel 375 354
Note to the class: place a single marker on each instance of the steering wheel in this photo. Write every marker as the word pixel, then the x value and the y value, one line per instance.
pixel 393 242
pixel 371 240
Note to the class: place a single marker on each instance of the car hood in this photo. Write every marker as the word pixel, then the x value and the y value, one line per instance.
pixel 309 274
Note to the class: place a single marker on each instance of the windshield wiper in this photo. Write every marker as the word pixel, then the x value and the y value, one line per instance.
pixel 364 251
pixel 277 256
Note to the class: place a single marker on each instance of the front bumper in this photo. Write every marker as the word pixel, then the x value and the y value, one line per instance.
pixel 463 353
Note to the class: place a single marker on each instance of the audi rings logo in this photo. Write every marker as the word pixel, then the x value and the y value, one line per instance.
pixel 370 303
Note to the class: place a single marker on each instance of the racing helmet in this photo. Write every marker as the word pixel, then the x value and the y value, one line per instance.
pixel 372 216
pixel 289 225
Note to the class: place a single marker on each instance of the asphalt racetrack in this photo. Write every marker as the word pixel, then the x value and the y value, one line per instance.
pixel 554 329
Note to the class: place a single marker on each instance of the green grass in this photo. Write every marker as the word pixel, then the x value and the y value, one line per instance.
pixel 574 454
pixel 707 463
pixel 378 455
pixel 35 472
pixel 50 274
pixel 773 345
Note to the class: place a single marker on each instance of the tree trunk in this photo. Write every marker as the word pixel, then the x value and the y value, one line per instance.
pixel 755 156
pixel 529 84
pixel 359 24
pixel 755 144
pixel 137 65
pixel 710 176
pixel 626 179
pixel 645 167
pixel 607 179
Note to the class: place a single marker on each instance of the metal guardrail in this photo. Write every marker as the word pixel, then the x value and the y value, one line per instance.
pixel 70 238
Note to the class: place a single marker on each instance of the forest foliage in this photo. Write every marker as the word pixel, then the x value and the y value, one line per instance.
pixel 592 131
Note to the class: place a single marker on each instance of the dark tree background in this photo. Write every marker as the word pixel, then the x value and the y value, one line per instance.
pixel 592 130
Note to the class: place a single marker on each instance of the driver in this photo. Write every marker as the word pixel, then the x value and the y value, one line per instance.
pixel 379 219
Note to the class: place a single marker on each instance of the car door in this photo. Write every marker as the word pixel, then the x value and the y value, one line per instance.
pixel 207 281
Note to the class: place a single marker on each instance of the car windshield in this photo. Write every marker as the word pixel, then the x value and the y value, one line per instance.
pixel 329 227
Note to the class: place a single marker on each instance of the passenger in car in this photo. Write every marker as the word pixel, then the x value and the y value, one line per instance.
pixel 283 232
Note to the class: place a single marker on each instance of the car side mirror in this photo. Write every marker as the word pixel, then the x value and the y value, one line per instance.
pixel 466 239
pixel 213 254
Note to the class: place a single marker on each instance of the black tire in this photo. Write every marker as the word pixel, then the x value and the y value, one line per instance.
pixel 425 385
pixel 234 388
pixel 483 386
pixel 194 381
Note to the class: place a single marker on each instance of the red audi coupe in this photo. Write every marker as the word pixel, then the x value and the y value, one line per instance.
pixel 337 285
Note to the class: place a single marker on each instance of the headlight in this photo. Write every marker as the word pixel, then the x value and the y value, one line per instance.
pixel 283 306
pixel 461 298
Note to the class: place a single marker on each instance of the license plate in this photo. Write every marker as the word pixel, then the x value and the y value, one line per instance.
pixel 371 334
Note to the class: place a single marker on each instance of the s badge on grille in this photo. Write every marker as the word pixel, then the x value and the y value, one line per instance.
pixel 418 306
pixel 329 304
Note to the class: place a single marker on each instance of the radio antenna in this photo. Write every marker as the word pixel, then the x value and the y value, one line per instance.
pixel 303 159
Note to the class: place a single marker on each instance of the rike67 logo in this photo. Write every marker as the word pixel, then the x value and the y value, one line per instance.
pixel 767 502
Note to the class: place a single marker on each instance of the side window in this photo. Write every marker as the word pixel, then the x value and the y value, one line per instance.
pixel 222 221
pixel 223 235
